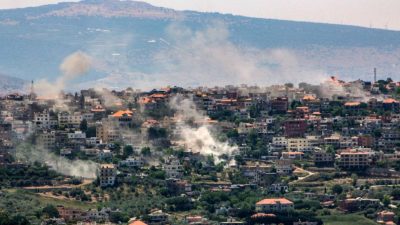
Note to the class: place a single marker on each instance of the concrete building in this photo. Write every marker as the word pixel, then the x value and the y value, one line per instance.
pixel 323 158
pixel 107 175
pixel 173 168
pixel 295 128
pixel 355 159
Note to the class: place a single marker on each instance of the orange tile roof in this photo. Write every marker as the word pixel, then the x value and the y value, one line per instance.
pixel 137 222
pixel 158 96
pixel 121 113
pixel 390 101
pixel 309 98
pixel 273 201
pixel 352 103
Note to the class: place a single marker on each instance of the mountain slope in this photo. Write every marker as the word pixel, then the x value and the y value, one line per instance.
pixel 137 38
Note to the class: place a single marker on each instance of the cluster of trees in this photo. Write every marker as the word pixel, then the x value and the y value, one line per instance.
pixel 6 219
pixel 29 175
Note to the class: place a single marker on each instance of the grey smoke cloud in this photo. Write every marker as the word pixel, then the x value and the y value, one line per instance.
pixel 78 168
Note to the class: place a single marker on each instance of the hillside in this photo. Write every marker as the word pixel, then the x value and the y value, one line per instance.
pixel 136 40
pixel 11 84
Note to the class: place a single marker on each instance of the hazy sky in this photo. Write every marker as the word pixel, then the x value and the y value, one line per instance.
pixel 368 13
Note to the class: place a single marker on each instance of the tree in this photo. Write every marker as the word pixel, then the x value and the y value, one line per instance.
pixel 118 217
pixel 386 200
pixel 50 211
pixel 146 151
pixel 15 220
pixel 84 125
pixel 337 189
pixel 128 150
pixel 19 220
pixel 395 194
pixel 354 179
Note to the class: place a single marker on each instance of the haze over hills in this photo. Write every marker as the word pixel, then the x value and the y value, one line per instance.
pixel 11 84
pixel 140 45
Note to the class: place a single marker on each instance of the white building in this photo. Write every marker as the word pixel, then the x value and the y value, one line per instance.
pixel 173 168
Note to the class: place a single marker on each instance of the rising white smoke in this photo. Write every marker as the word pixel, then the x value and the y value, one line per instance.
pixel 77 168
pixel 206 57
pixel 72 67
pixel 197 138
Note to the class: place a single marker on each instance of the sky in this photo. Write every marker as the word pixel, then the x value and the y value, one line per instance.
pixel 383 14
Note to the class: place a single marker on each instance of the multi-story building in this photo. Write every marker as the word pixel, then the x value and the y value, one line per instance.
pixel 283 166
pixel 173 168
pixel 107 175
pixel 44 121
pixel 324 158
pixel 69 119
pixel 132 162
pixel 47 139
pixel 279 105
pixel 292 155
pixel 355 159
pixel 108 131
pixel 295 128
pixel 299 145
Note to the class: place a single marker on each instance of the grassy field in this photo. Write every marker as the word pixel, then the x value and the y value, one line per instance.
pixel 21 198
pixel 350 219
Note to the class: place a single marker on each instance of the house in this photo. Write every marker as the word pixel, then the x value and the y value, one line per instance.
pixel 278 188
pixel 283 166
pixel 269 205
pixel 355 204
pixel 292 155
pixel 137 222
pixel 232 221
pixel 132 162
pixel 124 117
pixel 158 217
pixel 69 214
pixel 198 220
pixel 385 217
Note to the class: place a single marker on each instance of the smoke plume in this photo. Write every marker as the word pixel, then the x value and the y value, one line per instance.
pixel 77 168
pixel 186 57
pixel 73 66
pixel 197 138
